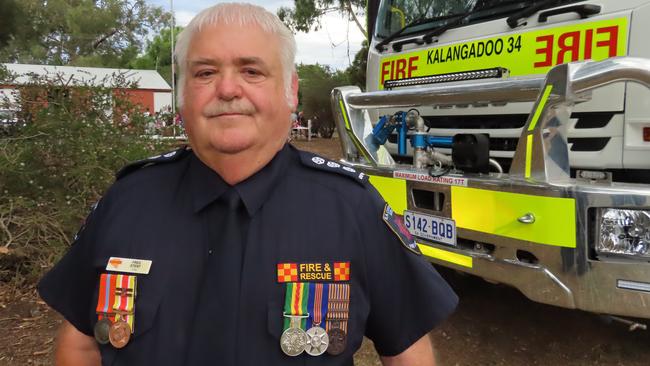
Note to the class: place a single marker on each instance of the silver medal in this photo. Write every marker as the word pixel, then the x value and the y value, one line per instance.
pixel 293 341
pixel 317 341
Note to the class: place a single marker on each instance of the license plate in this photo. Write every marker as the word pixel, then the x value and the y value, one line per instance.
pixel 434 228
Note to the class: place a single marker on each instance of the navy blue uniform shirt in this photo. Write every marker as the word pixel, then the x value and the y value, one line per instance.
pixel 206 301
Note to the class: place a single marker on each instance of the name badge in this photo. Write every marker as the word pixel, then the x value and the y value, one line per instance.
pixel 128 265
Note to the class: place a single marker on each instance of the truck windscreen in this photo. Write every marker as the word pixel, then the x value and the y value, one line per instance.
pixel 417 16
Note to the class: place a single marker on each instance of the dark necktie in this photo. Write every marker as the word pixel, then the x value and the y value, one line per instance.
pixel 216 318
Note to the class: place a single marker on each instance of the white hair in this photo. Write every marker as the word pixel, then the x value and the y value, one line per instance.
pixel 242 15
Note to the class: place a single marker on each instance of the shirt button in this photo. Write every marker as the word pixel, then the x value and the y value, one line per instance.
pixel 209 251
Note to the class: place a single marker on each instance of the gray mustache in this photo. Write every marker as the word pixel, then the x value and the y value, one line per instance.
pixel 240 106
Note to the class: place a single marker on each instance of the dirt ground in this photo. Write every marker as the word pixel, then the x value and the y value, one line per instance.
pixel 493 326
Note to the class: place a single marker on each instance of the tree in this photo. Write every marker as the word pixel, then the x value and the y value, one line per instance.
pixel 157 55
pixel 82 32
pixel 356 72
pixel 316 81
pixel 306 14
pixel 10 17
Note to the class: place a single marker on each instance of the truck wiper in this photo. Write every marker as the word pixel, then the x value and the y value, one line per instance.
pixel 518 19
pixel 442 29
pixel 457 19
pixel 381 45
pixel 428 38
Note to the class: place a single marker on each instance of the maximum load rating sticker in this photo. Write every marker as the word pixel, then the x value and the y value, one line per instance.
pixel 422 177
pixel 526 53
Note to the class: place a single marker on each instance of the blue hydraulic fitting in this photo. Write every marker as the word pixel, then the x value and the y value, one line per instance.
pixel 422 141
pixel 419 141
pixel 387 124
pixel 403 130
pixel 382 130
pixel 440 141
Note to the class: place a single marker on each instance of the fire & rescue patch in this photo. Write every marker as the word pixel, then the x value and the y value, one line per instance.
pixel 326 271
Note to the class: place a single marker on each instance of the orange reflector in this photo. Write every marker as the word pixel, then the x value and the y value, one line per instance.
pixel 646 134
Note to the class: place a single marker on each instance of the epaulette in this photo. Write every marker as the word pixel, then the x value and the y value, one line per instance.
pixel 158 159
pixel 93 207
pixel 318 162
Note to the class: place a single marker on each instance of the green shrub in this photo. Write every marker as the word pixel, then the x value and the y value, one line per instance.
pixel 55 163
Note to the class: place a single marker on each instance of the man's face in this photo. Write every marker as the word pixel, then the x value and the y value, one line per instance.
pixel 235 96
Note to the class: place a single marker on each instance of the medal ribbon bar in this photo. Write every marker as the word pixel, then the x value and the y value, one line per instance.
pixel 338 306
pixel 295 303
pixel 318 295
pixel 124 304
pixel 318 302
pixel 106 298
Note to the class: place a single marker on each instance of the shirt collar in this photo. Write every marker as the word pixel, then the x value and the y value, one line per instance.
pixel 207 185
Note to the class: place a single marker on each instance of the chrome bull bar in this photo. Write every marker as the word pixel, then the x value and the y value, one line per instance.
pixel 554 95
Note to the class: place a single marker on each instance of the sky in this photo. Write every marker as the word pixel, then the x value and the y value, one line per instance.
pixel 335 44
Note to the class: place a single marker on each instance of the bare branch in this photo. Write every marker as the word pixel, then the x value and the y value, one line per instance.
pixel 5 227
pixel 25 138
pixel 356 20
pixel 103 39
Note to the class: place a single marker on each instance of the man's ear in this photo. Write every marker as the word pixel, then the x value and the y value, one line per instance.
pixel 294 91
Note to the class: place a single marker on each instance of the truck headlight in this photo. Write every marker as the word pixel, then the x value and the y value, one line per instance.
pixel 624 232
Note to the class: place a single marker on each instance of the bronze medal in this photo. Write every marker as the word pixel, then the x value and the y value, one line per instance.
pixel 101 330
pixel 337 339
pixel 119 334
pixel 338 308
pixel 317 341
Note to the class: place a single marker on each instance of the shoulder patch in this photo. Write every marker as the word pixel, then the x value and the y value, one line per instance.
pixel 396 224
pixel 318 162
pixel 158 159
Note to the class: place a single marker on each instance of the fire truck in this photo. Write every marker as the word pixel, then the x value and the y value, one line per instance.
pixel 514 139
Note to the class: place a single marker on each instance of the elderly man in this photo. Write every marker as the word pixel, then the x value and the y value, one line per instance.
pixel 242 250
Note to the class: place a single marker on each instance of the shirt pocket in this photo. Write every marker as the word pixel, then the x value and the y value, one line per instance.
pixel 149 295
pixel 275 327
pixel 275 321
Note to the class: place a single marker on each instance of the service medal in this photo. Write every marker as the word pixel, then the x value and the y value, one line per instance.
pixel 101 330
pixel 318 338
pixel 338 308
pixel 116 301
pixel 337 340
pixel 119 334
pixel 293 341
pixel 318 341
